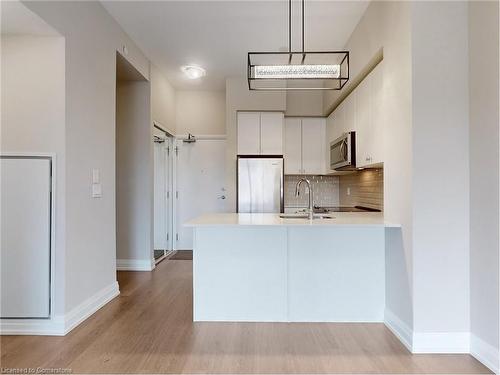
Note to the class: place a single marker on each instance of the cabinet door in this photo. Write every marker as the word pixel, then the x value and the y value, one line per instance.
pixel 376 145
pixel 271 133
pixel 349 119
pixel 248 133
pixel 25 243
pixel 313 151
pixel 293 146
pixel 363 122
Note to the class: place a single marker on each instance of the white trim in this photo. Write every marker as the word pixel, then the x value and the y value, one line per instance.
pixel 90 306
pixel 441 342
pixel 485 353
pixel 135 264
pixel 399 328
pixel 60 325
pixel 45 327
pixel 202 137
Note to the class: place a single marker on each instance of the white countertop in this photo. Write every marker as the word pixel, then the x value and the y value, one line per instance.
pixel 360 219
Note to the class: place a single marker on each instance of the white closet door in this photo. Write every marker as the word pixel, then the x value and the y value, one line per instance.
pixel 25 240
pixel 200 184
pixel 313 151
pixel 160 196
pixel 293 146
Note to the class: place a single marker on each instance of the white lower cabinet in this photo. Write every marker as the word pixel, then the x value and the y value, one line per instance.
pixel 304 145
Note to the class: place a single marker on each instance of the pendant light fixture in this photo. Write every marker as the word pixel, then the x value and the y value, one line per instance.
pixel 277 71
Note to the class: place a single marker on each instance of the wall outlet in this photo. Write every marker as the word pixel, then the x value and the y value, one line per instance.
pixel 96 176
pixel 348 191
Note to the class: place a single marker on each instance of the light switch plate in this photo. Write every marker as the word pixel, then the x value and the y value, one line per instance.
pixel 96 190
pixel 96 176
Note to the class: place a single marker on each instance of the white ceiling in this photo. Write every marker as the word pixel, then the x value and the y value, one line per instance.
pixel 218 34
pixel 16 19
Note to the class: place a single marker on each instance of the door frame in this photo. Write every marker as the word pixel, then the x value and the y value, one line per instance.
pixel 176 139
pixel 169 141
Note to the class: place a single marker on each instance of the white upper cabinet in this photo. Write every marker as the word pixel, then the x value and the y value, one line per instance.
pixel 313 145
pixel 370 120
pixel 260 133
pixel 362 111
pixel 377 145
pixel 271 133
pixel 304 145
pixel 293 145
pixel 248 133
pixel 363 123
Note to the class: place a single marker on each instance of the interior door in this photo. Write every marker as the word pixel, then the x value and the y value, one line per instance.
pixel 200 184
pixel 25 241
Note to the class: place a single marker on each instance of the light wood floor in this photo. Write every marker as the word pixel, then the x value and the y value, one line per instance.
pixel 149 329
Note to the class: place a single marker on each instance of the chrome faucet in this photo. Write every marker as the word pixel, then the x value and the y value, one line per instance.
pixel 297 193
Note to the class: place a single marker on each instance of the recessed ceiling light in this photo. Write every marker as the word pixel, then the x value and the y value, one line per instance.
pixel 193 71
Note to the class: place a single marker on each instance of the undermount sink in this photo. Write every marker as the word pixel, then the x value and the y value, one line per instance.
pixel 306 216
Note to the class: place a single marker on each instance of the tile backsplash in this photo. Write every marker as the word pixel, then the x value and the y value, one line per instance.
pixel 363 188
pixel 326 191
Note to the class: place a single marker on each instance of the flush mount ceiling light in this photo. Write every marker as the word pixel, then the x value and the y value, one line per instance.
pixel 325 70
pixel 193 71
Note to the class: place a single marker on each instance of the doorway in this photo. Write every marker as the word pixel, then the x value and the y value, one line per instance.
pixel 200 179
pixel 162 146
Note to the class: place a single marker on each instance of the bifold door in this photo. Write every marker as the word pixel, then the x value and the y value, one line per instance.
pixel 25 240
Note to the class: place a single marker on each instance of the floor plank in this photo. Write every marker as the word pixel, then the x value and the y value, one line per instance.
pixel 149 329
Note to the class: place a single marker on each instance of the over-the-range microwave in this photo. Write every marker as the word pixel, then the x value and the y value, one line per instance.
pixel 343 152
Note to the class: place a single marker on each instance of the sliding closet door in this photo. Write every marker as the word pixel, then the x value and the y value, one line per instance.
pixel 160 196
pixel 25 240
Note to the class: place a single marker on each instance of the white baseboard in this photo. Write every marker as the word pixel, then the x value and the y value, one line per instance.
pixel 400 329
pixel 90 306
pixel 60 325
pixel 42 327
pixel 441 342
pixel 485 353
pixel 135 264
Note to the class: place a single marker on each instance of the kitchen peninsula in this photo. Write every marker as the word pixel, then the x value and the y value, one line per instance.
pixel 265 268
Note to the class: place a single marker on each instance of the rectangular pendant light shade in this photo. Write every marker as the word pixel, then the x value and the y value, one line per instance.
pixel 298 70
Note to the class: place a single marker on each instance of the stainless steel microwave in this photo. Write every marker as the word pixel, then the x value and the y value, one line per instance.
pixel 343 152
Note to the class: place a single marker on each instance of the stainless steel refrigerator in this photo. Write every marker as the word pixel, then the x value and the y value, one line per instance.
pixel 260 184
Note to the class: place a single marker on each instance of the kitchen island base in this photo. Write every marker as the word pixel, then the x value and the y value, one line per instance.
pixel 289 273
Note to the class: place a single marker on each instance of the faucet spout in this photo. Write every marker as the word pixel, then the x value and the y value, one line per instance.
pixel 311 194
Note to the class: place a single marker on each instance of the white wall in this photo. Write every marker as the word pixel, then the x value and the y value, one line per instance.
pixel 92 39
pixel 304 103
pixel 134 172
pixel 484 165
pixel 387 25
pixel 239 98
pixel 33 116
pixel 163 99
pixel 440 167
pixel 201 112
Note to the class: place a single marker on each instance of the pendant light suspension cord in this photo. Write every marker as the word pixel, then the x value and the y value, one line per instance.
pixel 303 7
pixel 290 31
